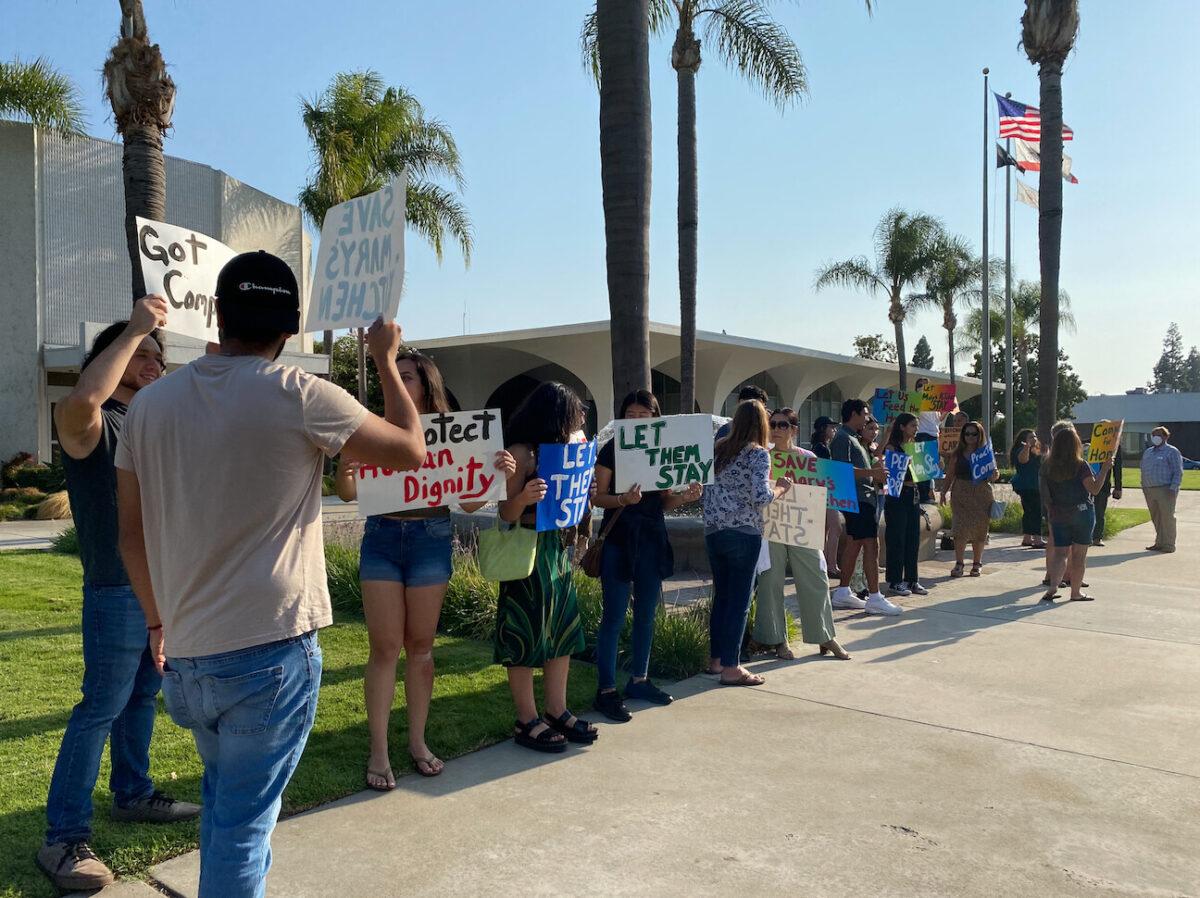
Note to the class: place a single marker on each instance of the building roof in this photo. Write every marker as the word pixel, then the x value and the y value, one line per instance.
pixel 1142 408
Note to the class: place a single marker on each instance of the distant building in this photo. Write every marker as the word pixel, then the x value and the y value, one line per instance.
pixel 64 269
pixel 1142 412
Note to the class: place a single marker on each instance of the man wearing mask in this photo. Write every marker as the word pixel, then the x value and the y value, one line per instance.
pixel 1162 477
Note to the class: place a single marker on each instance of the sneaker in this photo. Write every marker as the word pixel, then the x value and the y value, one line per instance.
pixel 899 589
pixel 158 807
pixel 844 598
pixel 877 604
pixel 917 589
pixel 73 865
pixel 647 692
pixel 610 705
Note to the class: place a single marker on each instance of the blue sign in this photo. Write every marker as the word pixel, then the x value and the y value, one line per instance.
pixel 983 463
pixel 896 464
pixel 567 469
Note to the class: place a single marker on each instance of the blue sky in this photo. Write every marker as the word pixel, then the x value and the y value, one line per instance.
pixel 894 118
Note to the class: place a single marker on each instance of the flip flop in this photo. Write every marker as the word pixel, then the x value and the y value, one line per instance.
pixel 383 775
pixel 1050 596
pixel 746 679
pixel 428 762
pixel 1083 598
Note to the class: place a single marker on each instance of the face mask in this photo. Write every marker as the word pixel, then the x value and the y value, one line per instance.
pixel 1156 440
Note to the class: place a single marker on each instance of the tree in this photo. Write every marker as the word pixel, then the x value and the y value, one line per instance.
pixel 923 355
pixel 142 96
pixel 873 346
pixel 1048 30
pixel 952 280
pixel 1170 371
pixel 749 41
pixel 36 93
pixel 623 50
pixel 1191 372
pixel 905 252
pixel 1070 390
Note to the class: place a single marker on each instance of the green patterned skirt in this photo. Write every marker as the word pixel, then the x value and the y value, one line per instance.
pixel 537 619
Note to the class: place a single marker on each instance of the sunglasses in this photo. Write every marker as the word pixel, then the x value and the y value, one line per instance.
pixel 781 425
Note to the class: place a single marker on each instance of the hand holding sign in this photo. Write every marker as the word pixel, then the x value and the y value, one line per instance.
pixel 182 265
pixel 983 464
pixel 896 465
pixel 566 469
pixel 149 313
pixel 797 518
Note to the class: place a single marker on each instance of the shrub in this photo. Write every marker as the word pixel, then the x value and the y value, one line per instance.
pixel 10 467
pixel 55 507
pixel 341 570
pixel 47 478
pixel 22 494
pixel 67 542
pixel 327 488
pixel 470 607
pixel 12 511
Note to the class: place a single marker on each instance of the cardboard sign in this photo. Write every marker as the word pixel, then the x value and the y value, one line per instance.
pixel 837 477
pixel 932 398
pixel 887 404
pixel 567 469
pixel 948 439
pixel 460 466
pixel 360 263
pixel 896 464
pixel 797 518
pixel 923 460
pixel 663 453
pixel 182 265
pixel 983 463
pixel 1106 440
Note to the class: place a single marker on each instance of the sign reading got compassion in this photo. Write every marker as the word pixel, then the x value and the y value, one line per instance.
pixel 459 466
pixel 182 265
pixel 663 453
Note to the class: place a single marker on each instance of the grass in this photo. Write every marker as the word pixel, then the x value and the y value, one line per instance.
pixel 1115 519
pixel 1131 479
pixel 40 670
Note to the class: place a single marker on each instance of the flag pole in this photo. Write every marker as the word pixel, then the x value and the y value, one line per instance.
pixel 986 349
pixel 1008 304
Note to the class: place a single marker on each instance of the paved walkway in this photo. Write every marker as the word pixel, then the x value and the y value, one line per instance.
pixel 981 744
pixel 30 534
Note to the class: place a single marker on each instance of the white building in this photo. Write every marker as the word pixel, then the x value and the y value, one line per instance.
pixel 64 269
pixel 1142 412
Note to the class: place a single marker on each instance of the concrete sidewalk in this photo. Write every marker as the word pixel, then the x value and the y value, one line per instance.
pixel 980 744
pixel 27 535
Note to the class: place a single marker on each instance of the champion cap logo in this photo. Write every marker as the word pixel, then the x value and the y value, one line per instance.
pixel 245 286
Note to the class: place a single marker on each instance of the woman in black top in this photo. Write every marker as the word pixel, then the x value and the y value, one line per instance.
pixel 637 555
pixel 823 431
pixel 902 514
pixel 1068 487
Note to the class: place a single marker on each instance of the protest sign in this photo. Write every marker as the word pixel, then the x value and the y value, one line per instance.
pixel 797 518
pixel 837 477
pixel 460 466
pixel 932 398
pixel 182 265
pixel 887 404
pixel 360 262
pixel 948 439
pixel 896 465
pixel 567 469
pixel 663 453
pixel 924 462
pixel 1106 440
pixel 983 463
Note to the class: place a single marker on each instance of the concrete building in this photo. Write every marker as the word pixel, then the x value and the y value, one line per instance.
pixel 64 270
pixel 1142 412
pixel 497 370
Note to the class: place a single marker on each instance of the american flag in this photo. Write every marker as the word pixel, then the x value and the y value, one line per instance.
pixel 1024 122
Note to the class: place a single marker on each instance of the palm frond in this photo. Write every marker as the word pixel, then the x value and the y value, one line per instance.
pixel 437 215
pixel 751 41
pixel 35 92
pixel 662 15
pixel 853 274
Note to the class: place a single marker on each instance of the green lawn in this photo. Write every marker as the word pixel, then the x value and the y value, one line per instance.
pixel 1116 519
pixel 40 670
pixel 1131 478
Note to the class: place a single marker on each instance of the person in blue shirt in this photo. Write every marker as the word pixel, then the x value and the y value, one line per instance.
pixel 1162 477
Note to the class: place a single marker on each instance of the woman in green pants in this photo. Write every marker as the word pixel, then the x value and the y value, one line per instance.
pixel 808 571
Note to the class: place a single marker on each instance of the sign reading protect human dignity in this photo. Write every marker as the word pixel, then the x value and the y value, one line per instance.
pixel 923 460
pixel 182 265
pixel 837 477
pixel 360 263
pixel 797 518
pixel 567 469
pixel 460 466
pixel 1106 439
pixel 983 463
pixel 663 453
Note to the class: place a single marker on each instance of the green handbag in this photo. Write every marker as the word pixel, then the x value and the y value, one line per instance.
pixel 507 554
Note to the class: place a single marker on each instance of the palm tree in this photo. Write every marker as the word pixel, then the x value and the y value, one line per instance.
pixel 36 93
pixel 905 252
pixel 953 280
pixel 759 49
pixel 142 96
pixel 623 51
pixel 363 135
pixel 1048 30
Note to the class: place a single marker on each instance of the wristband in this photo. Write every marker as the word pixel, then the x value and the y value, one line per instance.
pixel 155 627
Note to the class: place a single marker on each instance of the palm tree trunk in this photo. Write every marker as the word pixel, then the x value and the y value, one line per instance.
pixel 145 178
pixel 1050 196
pixel 950 343
pixel 896 314
pixel 623 42
pixel 685 57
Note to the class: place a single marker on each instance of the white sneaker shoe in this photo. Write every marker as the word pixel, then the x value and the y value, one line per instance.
pixel 899 589
pixel 918 589
pixel 843 597
pixel 877 604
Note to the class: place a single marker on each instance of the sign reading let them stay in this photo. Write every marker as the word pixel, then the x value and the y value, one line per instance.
pixel 182 265
pixel 360 263
pixel 460 466
pixel 663 453
pixel 797 518
pixel 567 469
pixel 1106 438
pixel 924 461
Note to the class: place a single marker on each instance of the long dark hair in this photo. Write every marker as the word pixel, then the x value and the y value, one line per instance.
pixel 1066 455
pixel 896 434
pixel 109 335
pixel 643 398
pixel 550 414
pixel 748 428
pixel 1018 442
pixel 432 386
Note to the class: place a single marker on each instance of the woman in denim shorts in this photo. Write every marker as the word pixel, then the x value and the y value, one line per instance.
pixel 1068 486
pixel 404 569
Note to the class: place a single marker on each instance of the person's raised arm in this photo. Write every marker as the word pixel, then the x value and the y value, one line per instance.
pixel 131 541
pixel 520 492
pixel 397 439
pixel 1093 483
pixel 77 417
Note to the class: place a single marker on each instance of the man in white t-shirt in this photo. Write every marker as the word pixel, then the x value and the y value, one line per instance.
pixel 219 497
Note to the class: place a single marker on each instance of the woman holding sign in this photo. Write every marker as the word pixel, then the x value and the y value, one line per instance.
pixel 1027 466
pixel 537 618
pixel 636 558
pixel 404 568
pixel 970 499
pixel 1069 488
pixel 902 514
pixel 808 571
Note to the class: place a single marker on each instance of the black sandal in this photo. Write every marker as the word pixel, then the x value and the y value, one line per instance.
pixel 581 731
pixel 547 740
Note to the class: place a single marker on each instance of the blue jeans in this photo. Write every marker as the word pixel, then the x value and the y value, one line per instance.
pixel 119 689
pixel 414 552
pixel 733 555
pixel 647 591
pixel 250 712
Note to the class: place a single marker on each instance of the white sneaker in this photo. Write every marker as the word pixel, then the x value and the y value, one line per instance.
pixel 918 589
pixel 877 604
pixel 899 589
pixel 844 598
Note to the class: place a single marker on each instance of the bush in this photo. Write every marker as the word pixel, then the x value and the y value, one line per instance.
pixel 327 488
pixel 12 511
pixel 66 543
pixel 26 495
pixel 55 507
pixel 470 607
pixel 47 478
pixel 341 570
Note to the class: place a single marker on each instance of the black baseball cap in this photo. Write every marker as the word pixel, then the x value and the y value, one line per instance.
pixel 259 290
